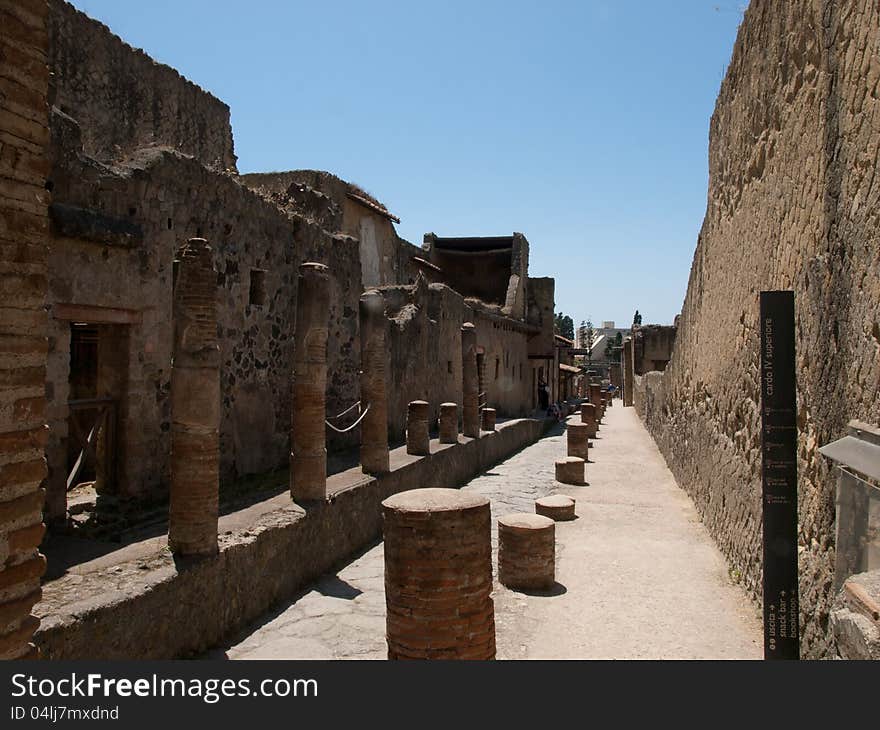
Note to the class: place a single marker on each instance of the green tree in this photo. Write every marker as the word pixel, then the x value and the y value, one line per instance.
pixel 564 325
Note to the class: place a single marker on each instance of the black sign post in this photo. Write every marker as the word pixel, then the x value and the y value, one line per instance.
pixel 779 476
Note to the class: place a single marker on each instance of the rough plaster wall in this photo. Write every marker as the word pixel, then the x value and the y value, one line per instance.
pixel 125 100
pixel 793 203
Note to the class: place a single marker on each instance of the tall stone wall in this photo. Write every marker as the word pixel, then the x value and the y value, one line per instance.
pixel 794 202
pixel 24 137
pixel 115 234
pixel 125 100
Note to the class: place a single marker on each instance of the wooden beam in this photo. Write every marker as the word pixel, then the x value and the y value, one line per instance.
pixel 96 315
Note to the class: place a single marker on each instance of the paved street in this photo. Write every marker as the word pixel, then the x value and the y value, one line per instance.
pixel 637 574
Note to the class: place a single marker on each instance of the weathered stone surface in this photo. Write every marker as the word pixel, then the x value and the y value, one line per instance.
pixel 448 423
pixel 438 575
pixel 418 436
pixel 557 507
pixel 793 201
pixel 854 621
pixel 308 458
pixel 126 100
pixel 526 551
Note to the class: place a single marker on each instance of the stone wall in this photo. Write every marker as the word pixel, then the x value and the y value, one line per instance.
pixel 116 230
pixel 124 100
pixel 794 203
pixel 24 136
pixel 424 344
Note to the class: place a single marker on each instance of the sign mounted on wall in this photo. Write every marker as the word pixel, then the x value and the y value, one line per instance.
pixel 779 475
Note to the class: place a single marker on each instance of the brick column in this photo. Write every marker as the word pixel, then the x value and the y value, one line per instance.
pixel 308 436
pixel 578 439
pixel 526 551
pixel 195 404
pixel 24 231
pixel 487 419
pixel 374 426
pixel 448 423
pixel 418 437
pixel 588 417
pixel 627 372
pixel 470 382
pixel 438 575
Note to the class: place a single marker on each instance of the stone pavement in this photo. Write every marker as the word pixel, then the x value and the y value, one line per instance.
pixel 637 574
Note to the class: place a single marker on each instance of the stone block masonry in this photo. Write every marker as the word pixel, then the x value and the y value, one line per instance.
pixel 793 203
pixel 24 229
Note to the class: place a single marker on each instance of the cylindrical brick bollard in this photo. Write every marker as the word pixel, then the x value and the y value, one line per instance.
pixel 195 404
pixel 570 470
pixel 418 437
pixel 374 426
pixel 602 407
pixel 559 507
pixel 438 575
pixel 488 419
pixel 595 394
pixel 526 551
pixel 470 383
pixel 588 418
pixel 578 440
pixel 448 423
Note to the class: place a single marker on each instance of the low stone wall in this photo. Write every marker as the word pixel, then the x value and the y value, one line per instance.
pixel 153 606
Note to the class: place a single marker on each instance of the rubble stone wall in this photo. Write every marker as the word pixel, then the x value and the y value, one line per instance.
pixel 126 100
pixel 794 203
pixel 158 199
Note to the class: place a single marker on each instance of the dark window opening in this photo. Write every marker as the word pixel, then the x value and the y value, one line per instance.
pixel 257 296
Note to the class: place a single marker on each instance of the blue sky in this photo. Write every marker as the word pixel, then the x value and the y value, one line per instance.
pixel 583 124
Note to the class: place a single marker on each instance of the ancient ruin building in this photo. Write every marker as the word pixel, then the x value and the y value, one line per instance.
pixel 142 160
pixel 793 204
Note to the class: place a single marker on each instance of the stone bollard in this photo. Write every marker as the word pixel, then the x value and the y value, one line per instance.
pixel 438 575
pixel 308 436
pixel 448 423
pixel 601 409
pixel 470 383
pixel 557 507
pixel 526 551
pixel 588 418
pixel 488 419
pixel 570 470
pixel 195 405
pixel 418 437
pixel 578 440
pixel 374 426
